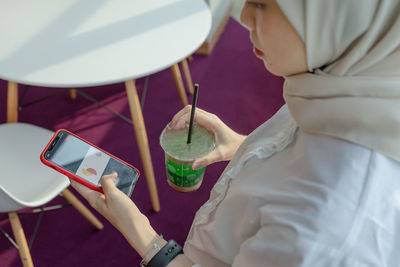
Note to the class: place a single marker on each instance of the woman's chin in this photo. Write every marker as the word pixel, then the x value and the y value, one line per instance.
pixel 271 69
pixel 282 72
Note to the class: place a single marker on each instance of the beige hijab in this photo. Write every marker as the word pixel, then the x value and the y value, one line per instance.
pixel 352 91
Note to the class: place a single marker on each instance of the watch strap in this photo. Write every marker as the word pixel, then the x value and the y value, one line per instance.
pixel 165 255
pixel 156 245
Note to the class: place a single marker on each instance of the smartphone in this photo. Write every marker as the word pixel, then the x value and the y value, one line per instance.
pixel 85 163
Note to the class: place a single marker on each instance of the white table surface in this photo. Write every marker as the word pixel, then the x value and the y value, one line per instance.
pixel 77 43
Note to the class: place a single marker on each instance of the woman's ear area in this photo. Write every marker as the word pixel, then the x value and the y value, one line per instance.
pixel 291 47
pixel 293 12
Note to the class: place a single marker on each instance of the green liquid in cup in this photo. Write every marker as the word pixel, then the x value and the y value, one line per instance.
pixel 179 156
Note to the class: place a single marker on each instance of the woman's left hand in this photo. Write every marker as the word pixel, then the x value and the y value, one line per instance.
pixel 120 211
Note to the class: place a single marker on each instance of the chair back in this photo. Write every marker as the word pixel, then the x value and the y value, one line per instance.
pixel 24 180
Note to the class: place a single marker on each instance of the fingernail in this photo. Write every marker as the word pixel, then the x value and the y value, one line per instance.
pixel 197 165
pixel 112 175
pixel 171 125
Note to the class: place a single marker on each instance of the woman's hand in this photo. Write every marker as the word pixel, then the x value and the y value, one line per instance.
pixel 226 140
pixel 120 211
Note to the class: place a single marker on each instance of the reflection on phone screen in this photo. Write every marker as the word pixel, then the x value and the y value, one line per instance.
pixel 90 163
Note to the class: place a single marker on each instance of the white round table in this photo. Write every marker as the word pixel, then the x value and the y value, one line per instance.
pixel 80 43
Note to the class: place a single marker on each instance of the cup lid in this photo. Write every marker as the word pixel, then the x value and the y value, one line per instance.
pixel 174 143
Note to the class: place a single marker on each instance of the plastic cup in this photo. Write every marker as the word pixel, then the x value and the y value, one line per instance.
pixel 179 156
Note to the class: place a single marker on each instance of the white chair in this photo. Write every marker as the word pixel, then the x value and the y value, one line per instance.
pixel 26 182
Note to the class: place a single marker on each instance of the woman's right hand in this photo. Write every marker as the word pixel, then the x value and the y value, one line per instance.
pixel 227 141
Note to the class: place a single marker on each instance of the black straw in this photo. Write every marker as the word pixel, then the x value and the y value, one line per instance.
pixel 194 103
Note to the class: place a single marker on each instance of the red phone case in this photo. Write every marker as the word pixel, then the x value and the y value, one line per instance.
pixel 71 175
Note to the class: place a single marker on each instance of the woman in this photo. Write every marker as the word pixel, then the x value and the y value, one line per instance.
pixel 318 184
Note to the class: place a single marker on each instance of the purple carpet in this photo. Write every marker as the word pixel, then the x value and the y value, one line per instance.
pixel 233 84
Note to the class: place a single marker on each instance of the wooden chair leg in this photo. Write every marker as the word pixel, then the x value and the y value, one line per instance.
pixel 82 209
pixel 142 141
pixel 188 76
pixel 20 239
pixel 12 102
pixel 72 93
pixel 176 73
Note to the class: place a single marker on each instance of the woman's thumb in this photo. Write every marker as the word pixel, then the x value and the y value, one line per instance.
pixel 108 182
pixel 205 161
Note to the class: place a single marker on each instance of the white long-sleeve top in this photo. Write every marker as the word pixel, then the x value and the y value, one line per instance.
pixel 288 198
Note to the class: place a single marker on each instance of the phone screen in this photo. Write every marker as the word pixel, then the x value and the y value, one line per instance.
pixel 89 163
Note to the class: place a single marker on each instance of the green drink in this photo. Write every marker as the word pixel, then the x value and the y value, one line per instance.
pixel 179 156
